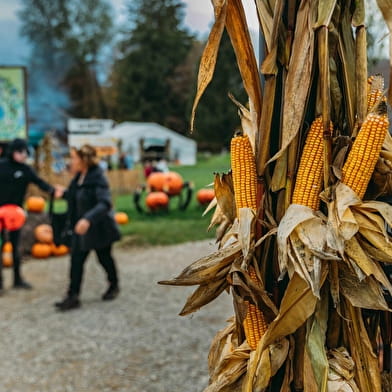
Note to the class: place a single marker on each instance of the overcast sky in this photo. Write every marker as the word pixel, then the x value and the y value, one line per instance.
pixel 14 50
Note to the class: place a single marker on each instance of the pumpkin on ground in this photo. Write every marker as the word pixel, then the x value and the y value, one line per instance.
pixel 7 254
pixel 35 204
pixel 44 233
pixel 121 218
pixel 41 251
pixel 59 250
pixel 170 182
pixel 173 183
pixel 157 200
pixel 205 195
pixel 155 181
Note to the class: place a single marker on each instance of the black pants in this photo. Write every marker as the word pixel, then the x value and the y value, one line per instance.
pixel 13 237
pixel 78 258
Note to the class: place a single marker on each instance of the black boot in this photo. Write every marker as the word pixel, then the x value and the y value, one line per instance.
pixel 111 293
pixel 68 303
pixel 22 284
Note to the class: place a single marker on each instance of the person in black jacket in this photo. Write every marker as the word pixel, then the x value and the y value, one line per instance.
pixel 92 219
pixel 15 176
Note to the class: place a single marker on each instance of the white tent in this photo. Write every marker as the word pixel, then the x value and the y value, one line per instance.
pixel 182 149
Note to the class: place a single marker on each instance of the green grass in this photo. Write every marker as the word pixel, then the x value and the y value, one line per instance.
pixel 174 226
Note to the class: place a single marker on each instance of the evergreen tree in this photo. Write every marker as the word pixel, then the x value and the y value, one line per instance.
pixel 149 68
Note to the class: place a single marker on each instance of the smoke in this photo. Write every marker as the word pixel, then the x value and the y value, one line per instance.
pixel 48 101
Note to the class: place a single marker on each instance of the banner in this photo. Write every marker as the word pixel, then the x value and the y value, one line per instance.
pixel 13 105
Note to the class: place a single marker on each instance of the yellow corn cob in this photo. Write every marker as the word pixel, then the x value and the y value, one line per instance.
pixel 243 167
pixel 362 159
pixel 254 323
pixel 375 91
pixel 310 171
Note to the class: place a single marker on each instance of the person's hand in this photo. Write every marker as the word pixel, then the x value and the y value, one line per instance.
pixel 58 191
pixel 81 227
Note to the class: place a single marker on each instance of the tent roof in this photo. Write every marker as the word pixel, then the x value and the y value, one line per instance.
pixel 148 131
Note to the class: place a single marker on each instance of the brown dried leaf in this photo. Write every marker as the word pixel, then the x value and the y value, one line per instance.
pixel 229 370
pixel 359 14
pixel 367 372
pixel 221 345
pixel 203 295
pixel 362 294
pixel 347 56
pixel 298 80
pixel 297 306
pixel 265 14
pixel 386 9
pixel 224 193
pixel 248 124
pixel 210 54
pixel 246 230
pixel 207 268
pixel 315 343
pixel 237 29
pixel 325 11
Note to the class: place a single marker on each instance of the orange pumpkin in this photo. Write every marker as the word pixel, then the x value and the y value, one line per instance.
pixel 173 183
pixel 35 204
pixel 44 233
pixel 121 218
pixel 157 200
pixel 59 250
pixel 205 195
pixel 155 181
pixel 41 251
pixel 7 254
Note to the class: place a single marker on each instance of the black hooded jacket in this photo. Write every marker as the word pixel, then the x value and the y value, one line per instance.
pixel 91 200
pixel 14 179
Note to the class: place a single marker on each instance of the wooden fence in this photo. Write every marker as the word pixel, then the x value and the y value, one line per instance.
pixel 120 181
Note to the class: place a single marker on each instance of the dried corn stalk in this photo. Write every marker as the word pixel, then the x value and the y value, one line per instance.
pixel 298 297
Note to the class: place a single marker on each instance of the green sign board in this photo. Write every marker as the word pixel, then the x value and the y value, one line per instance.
pixel 13 105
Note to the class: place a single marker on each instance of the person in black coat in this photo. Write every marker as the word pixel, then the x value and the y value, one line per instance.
pixel 92 219
pixel 15 176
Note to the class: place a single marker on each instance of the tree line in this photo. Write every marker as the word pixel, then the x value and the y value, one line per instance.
pixel 146 70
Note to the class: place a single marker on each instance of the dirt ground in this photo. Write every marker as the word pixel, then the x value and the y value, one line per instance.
pixel 135 343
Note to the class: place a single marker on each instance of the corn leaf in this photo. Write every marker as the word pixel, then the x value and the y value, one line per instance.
pixel 359 14
pixel 341 371
pixel 325 11
pixel 224 193
pixel 386 9
pixel 269 65
pixel 315 343
pixel 297 306
pixel 265 14
pixel 229 370
pixel 248 123
pixel 221 345
pixel 367 374
pixel 207 268
pixel 246 231
pixel 361 294
pixel 298 80
pixel 210 54
pixel 237 29
pixel 347 56
pixel 203 295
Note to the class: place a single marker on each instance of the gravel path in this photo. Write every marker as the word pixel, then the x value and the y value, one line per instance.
pixel 136 343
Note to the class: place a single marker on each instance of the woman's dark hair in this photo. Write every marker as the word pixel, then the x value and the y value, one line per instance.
pixel 87 154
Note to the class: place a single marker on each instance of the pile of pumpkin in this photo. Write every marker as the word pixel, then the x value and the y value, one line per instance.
pixel 43 233
pixel 45 247
pixel 162 186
